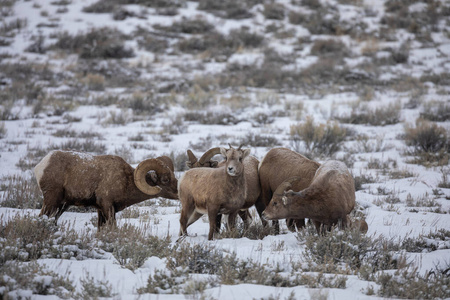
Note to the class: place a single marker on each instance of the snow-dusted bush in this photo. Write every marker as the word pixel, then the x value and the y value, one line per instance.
pixel 20 192
pixel 274 11
pixel 318 139
pixel 103 43
pixel 410 284
pixel 347 251
pixel 195 25
pixel 93 288
pixel 429 142
pixel 436 111
pixel 210 118
pixel 25 238
pixel 259 140
pixel 131 245
pixel 148 41
pixel 229 9
pixel 21 281
pixel 362 113
pixel 3 130
pixel 330 48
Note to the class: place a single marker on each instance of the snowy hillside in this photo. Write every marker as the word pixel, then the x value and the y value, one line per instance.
pixel 366 82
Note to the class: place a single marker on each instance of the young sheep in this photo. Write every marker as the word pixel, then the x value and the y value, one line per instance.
pixel 214 191
pixel 278 165
pixel 327 201
pixel 105 182
pixel 251 178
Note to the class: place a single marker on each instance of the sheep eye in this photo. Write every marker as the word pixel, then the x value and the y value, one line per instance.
pixel 275 204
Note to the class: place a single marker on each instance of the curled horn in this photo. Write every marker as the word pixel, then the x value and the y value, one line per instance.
pixel 141 170
pixel 285 185
pixel 208 155
pixel 192 159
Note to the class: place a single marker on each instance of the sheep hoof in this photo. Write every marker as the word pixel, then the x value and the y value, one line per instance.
pixel 181 238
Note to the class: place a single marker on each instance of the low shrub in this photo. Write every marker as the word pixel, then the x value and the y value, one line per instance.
pixel 330 48
pixel 102 42
pixel 436 111
pixel 258 140
pixel 32 279
pixel 101 6
pixel 380 116
pixel 349 251
pixel 20 192
pixel 363 179
pixel 211 118
pixel 322 139
pixel 92 288
pixel 428 141
pixel 148 41
pixel 274 11
pixel 409 283
pixel 196 25
pixel 131 246
pixel 3 130
pixel 229 9
pixel 27 238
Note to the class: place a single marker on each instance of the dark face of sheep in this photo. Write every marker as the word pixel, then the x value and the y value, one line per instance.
pixel 279 206
pixel 234 160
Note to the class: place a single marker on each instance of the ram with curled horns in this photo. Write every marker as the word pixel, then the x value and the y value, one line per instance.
pixel 105 182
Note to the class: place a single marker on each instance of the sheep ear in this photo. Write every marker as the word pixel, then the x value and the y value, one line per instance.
pixel 214 163
pixel 285 198
pixel 223 151
pixel 246 153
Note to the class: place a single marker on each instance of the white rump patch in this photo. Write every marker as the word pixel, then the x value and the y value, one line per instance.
pixel 40 167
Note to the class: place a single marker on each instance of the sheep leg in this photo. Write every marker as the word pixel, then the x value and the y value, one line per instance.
pixel 294 224
pixel 53 202
pixel 218 222
pixel 186 212
pixel 259 204
pixel 108 216
pixel 194 217
pixel 212 216
pixel 100 219
pixel 60 211
pixel 245 216
pixel 232 220
pixel 276 225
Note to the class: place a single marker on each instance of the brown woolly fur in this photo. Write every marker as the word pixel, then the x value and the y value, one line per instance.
pixel 327 201
pixel 251 178
pixel 105 182
pixel 279 165
pixel 214 191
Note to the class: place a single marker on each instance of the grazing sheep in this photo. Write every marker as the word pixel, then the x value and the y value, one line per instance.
pixel 251 175
pixel 278 165
pixel 214 191
pixel 105 182
pixel 327 201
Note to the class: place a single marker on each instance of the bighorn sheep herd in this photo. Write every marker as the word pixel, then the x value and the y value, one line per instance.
pixel 284 185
